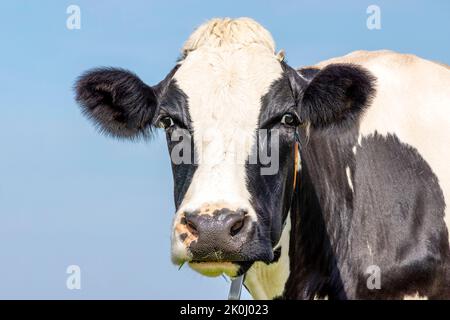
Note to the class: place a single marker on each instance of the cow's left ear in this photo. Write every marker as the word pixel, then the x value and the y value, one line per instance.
pixel 336 95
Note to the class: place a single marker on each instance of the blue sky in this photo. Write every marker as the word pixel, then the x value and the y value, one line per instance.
pixel 71 196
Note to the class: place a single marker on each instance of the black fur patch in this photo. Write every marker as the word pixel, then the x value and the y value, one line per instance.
pixel 118 102
pixel 394 219
pixel 337 95
pixel 271 195
pixel 174 103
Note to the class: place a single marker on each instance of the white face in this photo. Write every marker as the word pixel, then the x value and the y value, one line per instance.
pixel 224 86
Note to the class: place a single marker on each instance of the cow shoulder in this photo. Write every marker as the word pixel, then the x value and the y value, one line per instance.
pixel 402 143
pixel 412 103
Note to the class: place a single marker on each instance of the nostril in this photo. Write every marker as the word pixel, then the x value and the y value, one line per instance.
pixel 237 227
pixel 190 224
pixel 192 228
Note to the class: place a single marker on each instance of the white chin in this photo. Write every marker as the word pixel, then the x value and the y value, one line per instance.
pixel 215 269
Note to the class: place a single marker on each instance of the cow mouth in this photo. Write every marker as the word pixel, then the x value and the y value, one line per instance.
pixel 217 268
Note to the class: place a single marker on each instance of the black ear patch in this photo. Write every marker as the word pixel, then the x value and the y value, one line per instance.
pixel 337 95
pixel 118 102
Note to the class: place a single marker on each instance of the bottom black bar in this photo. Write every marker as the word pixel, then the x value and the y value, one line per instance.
pixel 177 309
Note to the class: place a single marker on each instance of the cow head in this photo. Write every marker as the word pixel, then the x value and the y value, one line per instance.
pixel 228 98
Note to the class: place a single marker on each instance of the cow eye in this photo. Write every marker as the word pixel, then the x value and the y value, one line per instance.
pixel 289 120
pixel 165 122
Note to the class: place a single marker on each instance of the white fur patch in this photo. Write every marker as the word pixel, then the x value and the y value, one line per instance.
pixel 223 32
pixel 229 66
pixel 349 177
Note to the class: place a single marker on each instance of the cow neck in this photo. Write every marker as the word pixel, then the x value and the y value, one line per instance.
pixel 319 223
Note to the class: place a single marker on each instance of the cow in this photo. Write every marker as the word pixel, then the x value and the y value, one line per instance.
pixel 356 206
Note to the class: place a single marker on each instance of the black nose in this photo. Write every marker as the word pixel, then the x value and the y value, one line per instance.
pixel 222 223
pixel 220 233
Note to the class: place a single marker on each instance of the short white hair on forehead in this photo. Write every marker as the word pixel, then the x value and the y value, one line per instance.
pixel 221 32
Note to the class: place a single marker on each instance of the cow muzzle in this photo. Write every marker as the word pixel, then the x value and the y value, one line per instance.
pixel 214 240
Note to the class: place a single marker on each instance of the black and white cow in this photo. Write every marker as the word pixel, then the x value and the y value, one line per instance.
pixel 363 167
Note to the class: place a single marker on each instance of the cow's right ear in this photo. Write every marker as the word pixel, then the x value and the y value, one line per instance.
pixel 118 102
